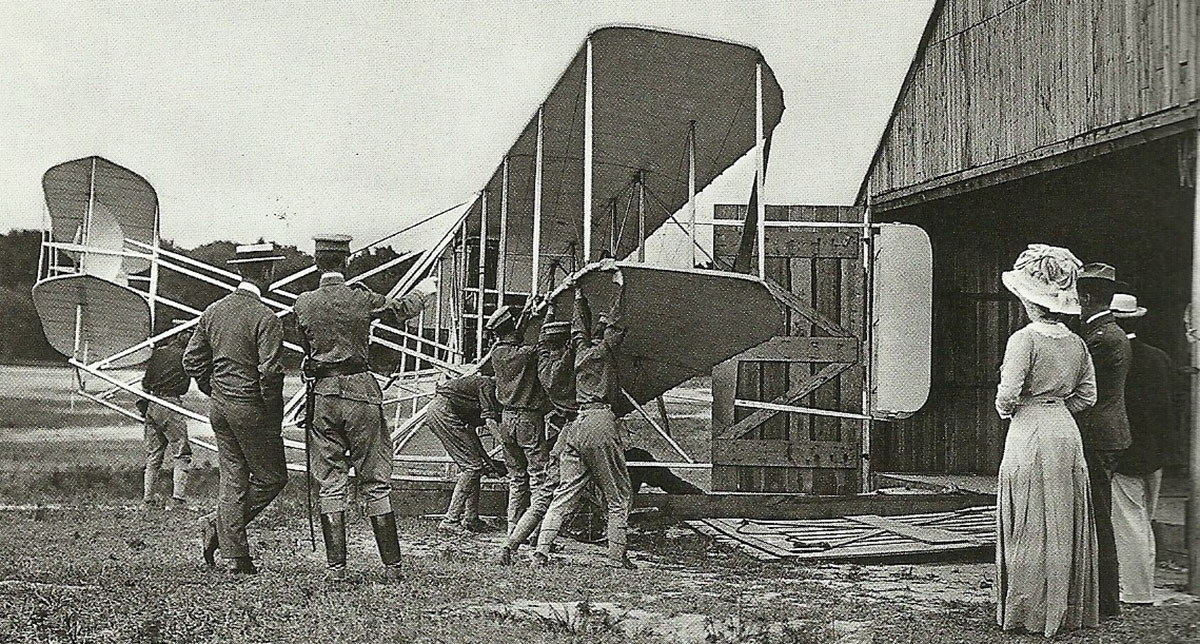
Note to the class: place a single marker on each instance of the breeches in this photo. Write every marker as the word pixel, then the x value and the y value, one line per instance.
pixel 356 428
pixel 523 436
pixel 166 432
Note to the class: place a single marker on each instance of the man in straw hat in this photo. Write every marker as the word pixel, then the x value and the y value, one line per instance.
pixel 347 404
pixel 522 426
pixel 1138 474
pixel 234 355
pixel 1105 427
pixel 166 429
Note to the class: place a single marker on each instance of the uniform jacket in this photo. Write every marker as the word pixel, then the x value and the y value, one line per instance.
pixel 596 370
pixel 236 350
pixel 164 371
pixel 472 398
pixel 556 372
pixel 335 322
pixel 1149 407
pixel 1105 425
pixel 517 384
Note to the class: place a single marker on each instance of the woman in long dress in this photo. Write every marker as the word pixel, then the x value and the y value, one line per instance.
pixel 1046 537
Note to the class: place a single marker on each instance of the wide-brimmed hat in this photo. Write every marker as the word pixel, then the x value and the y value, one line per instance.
pixel 255 253
pixel 1098 271
pixel 1125 305
pixel 1046 276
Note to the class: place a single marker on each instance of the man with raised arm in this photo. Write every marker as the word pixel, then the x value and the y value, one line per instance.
pixel 347 406
pixel 593 450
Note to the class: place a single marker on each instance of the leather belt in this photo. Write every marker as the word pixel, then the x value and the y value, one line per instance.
pixel 594 405
pixel 348 367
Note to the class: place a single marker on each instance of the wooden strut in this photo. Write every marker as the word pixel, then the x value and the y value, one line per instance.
pixel 809 385
pixel 667 437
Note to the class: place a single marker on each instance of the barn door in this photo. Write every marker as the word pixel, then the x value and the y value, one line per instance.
pixel 817 273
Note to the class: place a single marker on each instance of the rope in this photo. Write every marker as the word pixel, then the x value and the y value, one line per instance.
pixel 407 228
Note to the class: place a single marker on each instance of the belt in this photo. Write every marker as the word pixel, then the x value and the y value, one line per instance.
pixel 348 367
pixel 1048 400
pixel 594 405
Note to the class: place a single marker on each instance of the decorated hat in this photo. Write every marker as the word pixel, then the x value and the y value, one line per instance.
pixel 503 316
pixel 1125 305
pixel 1098 271
pixel 255 253
pixel 333 243
pixel 1046 276
pixel 556 328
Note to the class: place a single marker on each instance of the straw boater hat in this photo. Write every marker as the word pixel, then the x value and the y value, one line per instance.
pixel 1125 305
pixel 1045 275
pixel 255 253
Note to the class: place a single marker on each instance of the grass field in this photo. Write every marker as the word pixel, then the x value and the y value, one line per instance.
pixel 80 562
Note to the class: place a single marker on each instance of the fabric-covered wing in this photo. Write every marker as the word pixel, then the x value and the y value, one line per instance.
pixel 680 322
pixel 111 317
pixel 122 205
pixel 648 88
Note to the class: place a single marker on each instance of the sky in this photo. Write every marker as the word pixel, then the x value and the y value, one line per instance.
pixel 285 119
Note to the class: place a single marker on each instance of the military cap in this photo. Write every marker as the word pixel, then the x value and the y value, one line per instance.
pixel 332 243
pixel 255 253
pixel 503 316
pixel 556 328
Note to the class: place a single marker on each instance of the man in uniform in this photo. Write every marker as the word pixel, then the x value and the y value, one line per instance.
pixel 556 373
pixel 458 408
pixel 1105 427
pixel 347 405
pixel 593 449
pixel 234 355
pixel 522 427
pixel 165 428
pixel 1138 474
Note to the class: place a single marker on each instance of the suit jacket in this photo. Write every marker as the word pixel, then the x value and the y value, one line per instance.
pixel 1105 425
pixel 1149 406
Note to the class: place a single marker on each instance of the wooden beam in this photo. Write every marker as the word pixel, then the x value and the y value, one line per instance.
pixel 809 385
pixel 793 302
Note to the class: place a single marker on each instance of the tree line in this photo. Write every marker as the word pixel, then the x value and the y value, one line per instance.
pixel 22 340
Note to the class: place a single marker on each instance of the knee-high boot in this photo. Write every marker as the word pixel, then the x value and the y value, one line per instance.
pixel 384 527
pixel 333 529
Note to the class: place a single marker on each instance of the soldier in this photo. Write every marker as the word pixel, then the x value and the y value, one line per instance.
pixel 593 449
pixel 234 356
pixel 347 404
pixel 522 427
pixel 459 406
pixel 165 428
pixel 556 373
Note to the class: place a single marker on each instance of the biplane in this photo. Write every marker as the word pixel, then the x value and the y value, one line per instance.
pixel 638 123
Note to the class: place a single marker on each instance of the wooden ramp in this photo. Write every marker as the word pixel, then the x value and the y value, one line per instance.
pixel 866 536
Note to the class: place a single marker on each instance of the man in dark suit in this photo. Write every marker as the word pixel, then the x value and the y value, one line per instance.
pixel 1139 469
pixel 1105 427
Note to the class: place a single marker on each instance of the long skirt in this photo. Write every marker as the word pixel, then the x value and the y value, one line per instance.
pixel 1046 575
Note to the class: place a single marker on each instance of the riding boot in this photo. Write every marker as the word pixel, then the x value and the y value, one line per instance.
pixel 384 527
pixel 333 529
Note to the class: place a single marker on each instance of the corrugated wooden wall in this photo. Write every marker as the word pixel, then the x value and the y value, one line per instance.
pixel 797 452
pixel 1001 78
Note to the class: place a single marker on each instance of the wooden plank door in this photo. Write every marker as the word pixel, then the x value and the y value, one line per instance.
pixel 817 365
